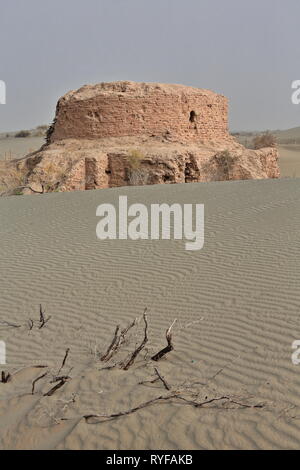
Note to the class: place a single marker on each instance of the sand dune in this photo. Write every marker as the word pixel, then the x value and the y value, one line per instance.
pixel 237 304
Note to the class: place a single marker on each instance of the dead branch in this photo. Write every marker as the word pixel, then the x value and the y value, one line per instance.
pixel 59 379
pixel 35 366
pixel 222 398
pixel 43 320
pixel 64 360
pixel 148 381
pixel 141 346
pixel 125 331
pixel 162 379
pixel 163 398
pixel 121 339
pixel 5 377
pixel 132 410
pixel 168 348
pixel 245 405
pixel 56 387
pixel 117 342
pixel 36 380
pixel 110 347
pixel 41 314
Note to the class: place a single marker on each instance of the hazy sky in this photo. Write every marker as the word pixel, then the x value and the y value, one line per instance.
pixel 247 50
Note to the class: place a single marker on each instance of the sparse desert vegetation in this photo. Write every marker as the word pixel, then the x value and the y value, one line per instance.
pixel 264 140
pixel 12 179
pixel 22 134
pixel 225 161
pixel 285 137
pixel 137 175
pixel 15 179
pixel 134 158
pixel 126 351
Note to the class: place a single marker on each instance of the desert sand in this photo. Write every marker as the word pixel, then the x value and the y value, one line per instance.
pixel 12 147
pixel 236 303
pixel 289 160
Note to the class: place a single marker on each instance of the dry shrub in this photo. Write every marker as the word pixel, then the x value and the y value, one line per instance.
pixel 134 159
pixel 12 179
pixel 264 140
pixel 50 176
pixel 40 131
pixel 225 163
pixel 137 176
pixel 21 134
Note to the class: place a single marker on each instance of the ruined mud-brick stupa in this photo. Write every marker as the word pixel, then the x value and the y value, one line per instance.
pixel 127 133
pixel 130 109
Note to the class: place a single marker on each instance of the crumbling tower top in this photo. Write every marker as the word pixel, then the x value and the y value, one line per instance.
pixel 134 109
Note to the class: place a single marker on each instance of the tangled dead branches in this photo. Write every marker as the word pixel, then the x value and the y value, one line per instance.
pixel 174 394
pixel 98 418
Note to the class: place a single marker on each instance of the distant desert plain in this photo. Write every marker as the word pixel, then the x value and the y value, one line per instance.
pixel 71 311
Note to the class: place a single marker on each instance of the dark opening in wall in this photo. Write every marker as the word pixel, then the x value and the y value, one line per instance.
pixel 193 116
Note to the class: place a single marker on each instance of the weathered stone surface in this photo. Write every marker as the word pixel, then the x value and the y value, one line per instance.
pixel 180 134
pixel 79 165
pixel 135 109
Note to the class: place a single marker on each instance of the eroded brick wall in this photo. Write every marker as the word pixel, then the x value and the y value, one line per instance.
pixel 131 109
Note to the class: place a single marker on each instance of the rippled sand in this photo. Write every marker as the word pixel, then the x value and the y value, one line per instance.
pixel 237 304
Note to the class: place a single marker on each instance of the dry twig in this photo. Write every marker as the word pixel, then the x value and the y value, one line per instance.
pixel 162 379
pixel 148 381
pixel 36 380
pixel 111 346
pixel 5 377
pixel 62 382
pixel 169 347
pixel 117 341
pixel 140 347
pixel 43 320
pixel 163 398
pixel 64 360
